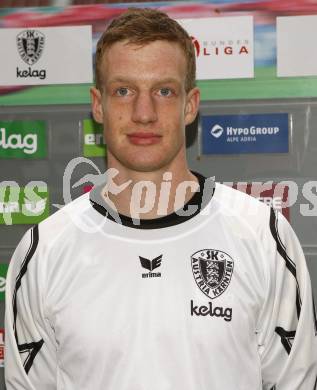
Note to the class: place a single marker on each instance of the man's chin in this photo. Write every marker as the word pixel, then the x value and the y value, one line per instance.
pixel 146 166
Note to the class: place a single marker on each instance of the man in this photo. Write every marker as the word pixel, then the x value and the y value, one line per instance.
pixel 193 287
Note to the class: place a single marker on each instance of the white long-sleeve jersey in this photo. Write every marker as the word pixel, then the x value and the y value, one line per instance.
pixel 220 301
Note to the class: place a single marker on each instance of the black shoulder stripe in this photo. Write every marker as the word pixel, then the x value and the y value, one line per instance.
pixel 290 265
pixel 31 348
pixel 315 387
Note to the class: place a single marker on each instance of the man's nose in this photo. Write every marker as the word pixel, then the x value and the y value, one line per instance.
pixel 144 109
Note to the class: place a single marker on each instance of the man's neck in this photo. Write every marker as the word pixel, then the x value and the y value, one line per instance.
pixel 151 195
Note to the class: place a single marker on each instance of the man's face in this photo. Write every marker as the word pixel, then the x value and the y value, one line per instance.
pixel 143 106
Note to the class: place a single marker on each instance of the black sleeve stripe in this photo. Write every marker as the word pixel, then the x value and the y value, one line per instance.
pixel 290 265
pixel 23 270
pixel 315 387
pixel 31 348
pixel 287 338
pixel 280 246
pixel 315 317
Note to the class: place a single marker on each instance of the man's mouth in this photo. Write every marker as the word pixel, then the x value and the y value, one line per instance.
pixel 144 138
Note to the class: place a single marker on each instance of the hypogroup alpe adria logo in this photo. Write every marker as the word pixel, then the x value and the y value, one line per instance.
pixel 30 45
pixel 216 131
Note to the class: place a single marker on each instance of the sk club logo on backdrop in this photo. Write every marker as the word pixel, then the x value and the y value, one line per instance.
pixel 23 139
pixel 30 45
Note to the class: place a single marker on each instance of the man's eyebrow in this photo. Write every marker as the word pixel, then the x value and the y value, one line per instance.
pixel 119 79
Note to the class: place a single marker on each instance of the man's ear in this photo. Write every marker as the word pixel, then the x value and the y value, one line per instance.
pixel 96 104
pixel 192 105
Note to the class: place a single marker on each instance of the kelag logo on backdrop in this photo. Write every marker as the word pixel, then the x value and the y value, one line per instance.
pixel 257 133
pixel 23 139
pixel 94 143
pixel 28 205
pixel 3 275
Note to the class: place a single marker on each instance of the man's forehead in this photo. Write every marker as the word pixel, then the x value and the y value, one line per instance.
pixel 126 49
pixel 157 61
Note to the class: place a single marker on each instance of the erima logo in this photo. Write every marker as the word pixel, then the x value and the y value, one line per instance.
pixel 151 265
pixel 28 143
pixel 212 271
pixel 216 131
pixel 225 313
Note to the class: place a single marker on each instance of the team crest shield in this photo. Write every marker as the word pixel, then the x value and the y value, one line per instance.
pixel 30 45
pixel 212 270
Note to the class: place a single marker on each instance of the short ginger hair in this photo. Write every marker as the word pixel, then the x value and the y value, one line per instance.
pixel 140 26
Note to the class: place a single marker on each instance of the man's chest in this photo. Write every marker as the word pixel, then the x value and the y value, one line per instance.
pixel 207 290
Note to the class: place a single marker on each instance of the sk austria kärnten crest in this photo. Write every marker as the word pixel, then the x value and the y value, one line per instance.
pixel 212 270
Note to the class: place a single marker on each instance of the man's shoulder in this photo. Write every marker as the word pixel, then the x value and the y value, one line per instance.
pixel 241 205
pixel 64 221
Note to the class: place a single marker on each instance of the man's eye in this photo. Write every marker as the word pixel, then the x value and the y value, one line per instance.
pixel 122 91
pixel 165 92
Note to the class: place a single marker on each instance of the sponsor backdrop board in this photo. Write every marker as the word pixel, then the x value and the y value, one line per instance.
pixel 3 275
pixel 296 46
pixel 26 205
pixel 94 143
pixel 66 142
pixel 46 55
pixel 273 194
pixel 264 85
pixel 1 347
pixel 224 46
pixel 23 139
pixel 235 134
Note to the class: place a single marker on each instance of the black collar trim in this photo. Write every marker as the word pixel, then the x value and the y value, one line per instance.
pixel 198 199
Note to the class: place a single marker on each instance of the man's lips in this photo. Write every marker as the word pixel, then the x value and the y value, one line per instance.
pixel 146 138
